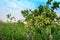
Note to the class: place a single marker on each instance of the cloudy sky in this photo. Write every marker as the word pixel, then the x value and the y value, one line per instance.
pixel 15 6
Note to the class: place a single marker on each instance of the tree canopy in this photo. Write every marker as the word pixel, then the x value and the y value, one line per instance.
pixel 43 20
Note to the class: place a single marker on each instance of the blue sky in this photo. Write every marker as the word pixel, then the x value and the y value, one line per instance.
pixel 15 6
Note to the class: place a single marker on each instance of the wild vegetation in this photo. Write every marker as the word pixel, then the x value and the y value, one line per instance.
pixel 40 24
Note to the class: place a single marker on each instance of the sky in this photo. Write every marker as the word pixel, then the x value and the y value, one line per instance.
pixel 15 6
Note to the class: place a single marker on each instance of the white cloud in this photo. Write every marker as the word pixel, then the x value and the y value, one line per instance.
pixel 14 7
pixel 12 4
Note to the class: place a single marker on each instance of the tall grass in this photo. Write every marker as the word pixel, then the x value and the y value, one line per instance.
pixel 18 31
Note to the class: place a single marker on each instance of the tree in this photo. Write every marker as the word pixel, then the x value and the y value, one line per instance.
pixel 9 16
pixel 41 21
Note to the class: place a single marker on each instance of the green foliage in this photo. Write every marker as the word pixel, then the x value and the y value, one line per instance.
pixel 41 21
pixel 9 16
pixel 12 31
pixel 41 24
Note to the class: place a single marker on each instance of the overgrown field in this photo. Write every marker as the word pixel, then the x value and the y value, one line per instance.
pixel 39 24
pixel 17 31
